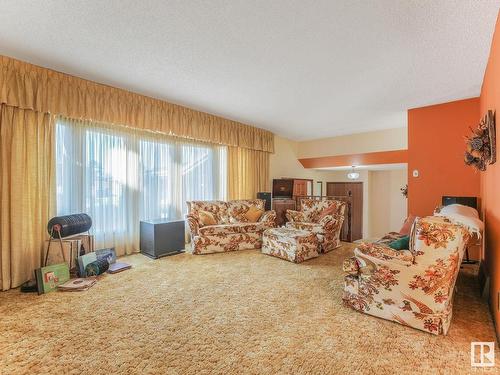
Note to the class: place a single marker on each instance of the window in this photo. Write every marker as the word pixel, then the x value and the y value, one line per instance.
pixel 120 177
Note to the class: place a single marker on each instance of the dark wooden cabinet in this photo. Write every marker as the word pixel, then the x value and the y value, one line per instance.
pixel 355 191
pixel 286 190
pixel 280 206
pixel 300 187
pixel 292 187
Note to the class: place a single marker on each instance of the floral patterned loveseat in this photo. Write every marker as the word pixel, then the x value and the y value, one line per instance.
pixel 413 287
pixel 322 217
pixel 232 231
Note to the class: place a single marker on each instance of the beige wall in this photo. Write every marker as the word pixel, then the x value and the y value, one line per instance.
pixel 388 206
pixel 384 207
pixel 284 163
pixel 382 140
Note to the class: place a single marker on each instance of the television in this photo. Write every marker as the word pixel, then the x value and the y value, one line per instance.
pixel 282 188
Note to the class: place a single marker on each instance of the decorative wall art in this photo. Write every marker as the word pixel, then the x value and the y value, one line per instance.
pixel 404 191
pixel 481 144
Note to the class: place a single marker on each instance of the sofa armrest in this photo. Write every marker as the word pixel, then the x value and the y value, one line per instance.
pixel 268 217
pixel 311 227
pixel 340 218
pixel 193 223
pixel 383 254
pixel 378 264
pixel 329 223
pixel 351 266
pixel 293 215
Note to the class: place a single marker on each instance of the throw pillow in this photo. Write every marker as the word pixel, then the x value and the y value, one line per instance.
pixel 406 228
pixel 401 244
pixel 327 211
pixel 206 218
pixel 253 214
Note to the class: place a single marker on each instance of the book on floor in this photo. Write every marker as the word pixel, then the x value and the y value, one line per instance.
pixel 76 285
pixel 118 267
pixel 83 260
pixel 49 277
pixel 109 254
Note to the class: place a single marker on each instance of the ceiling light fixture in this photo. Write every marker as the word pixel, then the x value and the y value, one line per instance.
pixel 352 175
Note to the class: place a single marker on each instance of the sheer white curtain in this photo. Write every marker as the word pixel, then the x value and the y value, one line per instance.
pixel 120 177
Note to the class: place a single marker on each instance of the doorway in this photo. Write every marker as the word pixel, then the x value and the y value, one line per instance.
pixel 355 191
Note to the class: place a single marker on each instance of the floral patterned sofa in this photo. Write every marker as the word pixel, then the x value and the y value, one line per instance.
pixel 413 287
pixel 232 231
pixel 322 217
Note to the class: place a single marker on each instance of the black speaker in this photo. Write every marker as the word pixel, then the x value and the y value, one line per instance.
pixel 266 197
pixel 161 237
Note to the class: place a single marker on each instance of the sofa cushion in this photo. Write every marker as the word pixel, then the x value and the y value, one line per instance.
pixel 237 209
pixel 252 227
pixel 311 227
pixel 217 208
pixel 233 228
pixel 206 218
pixel 253 214
pixel 219 229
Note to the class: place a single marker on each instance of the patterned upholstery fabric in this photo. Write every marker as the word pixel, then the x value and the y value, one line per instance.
pixel 389 237
pixel 290 244
pixel 309 218
pixel 218 229
pixel 311 227
pixel 232 232
pixel 219 243
pixel 295 216
pixel 312 208
pixel 268 217
pixel 253 227
pixel 237 209
pixel 217 208
pixel 233 228
pixel 412 287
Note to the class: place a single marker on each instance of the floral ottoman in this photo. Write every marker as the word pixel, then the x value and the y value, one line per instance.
pixel 290 244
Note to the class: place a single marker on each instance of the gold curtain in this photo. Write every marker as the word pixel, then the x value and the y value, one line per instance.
pixel 28 86
pixel 30 97
pixel 27 191
pixel 248 172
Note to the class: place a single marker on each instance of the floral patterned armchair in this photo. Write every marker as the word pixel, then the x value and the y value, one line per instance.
pixel 232 230
pixel 413 287
pixel 322 217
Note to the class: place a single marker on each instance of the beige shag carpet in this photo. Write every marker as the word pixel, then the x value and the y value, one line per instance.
pixel 232 313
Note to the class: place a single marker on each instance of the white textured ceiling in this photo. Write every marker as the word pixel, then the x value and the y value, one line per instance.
pixel 302 69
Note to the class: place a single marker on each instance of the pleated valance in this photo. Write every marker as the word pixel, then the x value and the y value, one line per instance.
pixel 27 86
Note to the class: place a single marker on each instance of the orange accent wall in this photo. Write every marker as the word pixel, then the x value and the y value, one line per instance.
pixel 436 149
pixel 490 180
pixel 369 158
